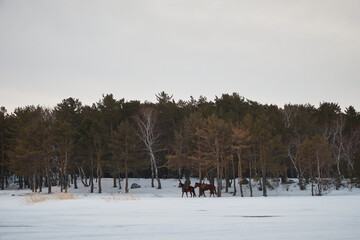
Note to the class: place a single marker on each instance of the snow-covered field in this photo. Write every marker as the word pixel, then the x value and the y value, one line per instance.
pixel 148 213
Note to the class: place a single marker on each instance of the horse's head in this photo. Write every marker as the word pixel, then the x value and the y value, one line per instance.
pixel 197 185
pixel 180 185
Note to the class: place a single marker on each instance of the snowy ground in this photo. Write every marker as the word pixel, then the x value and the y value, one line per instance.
pixel 148 213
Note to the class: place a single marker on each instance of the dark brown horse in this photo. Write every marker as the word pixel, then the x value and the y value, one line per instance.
pixel 187 189
pixel 205 187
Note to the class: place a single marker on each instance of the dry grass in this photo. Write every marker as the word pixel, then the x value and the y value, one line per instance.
pixel 35 198
pixel 63 196
pixel 41 197
pixel 128 196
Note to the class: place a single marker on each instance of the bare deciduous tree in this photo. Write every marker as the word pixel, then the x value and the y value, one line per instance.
pixel 146 122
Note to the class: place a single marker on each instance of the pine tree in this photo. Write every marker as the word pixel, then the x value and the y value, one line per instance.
pixel 240 140
pixel 216 134
pixel 3 116
pixel 195 145
pixel 179 159
pixel 67 118
pixel 125 145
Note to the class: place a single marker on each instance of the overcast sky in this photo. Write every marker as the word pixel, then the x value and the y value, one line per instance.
pixel 273 52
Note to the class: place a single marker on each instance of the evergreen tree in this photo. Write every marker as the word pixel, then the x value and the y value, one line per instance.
pixel 179 159
pixel 3 116
pixel 125 145
pixel 67 120
pixel 270 149
pixel 216 134
pixel 29 156
pixel 196 147
pixel 240 140
pixel 111 114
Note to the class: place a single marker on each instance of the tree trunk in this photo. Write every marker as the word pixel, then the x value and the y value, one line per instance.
pixel 61 179
pixel 157 178
pixel 119 177
pixel 264 184
pixel 48 174
pixel 126 182
pixel 26 182
pixel 155 169
pixel 219 182
pixel 83 177
pixel 21 182
pixel 200 180
pixel 114 181
pixel 126 169
pixel 221 176
pixel 40 183
pixel 92 173
pixel 319 174
pixel 75 181
pixel 292 159
pixel 226 178
pixel 36 183
pixel 98 171
pixel 152 173
pixel 211 178
pixel 233 173
pixel 263 168
pixel 65 167
pixel 312 181
pixel 7 180
pixel 250 176
pixel 200 169
pixel 218 169
pixel 240 173
pixel 126 174
pixel 33 183
pixel 48 181
pixel 2 156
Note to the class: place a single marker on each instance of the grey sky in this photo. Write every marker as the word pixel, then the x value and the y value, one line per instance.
pixel 268 51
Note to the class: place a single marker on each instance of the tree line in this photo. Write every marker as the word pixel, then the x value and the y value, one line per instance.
pixel 231 139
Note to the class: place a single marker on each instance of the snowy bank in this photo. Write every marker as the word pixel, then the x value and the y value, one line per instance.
pixel 148 213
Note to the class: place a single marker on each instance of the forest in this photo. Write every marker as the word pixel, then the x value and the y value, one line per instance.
pixel 231 139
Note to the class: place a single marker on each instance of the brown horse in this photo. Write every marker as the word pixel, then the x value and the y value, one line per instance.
pixel 205 187
pixel 187 189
